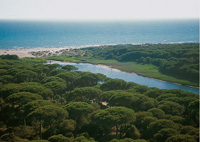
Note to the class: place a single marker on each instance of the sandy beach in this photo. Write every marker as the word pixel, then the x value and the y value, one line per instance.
pixel 58 51
pixel 36 52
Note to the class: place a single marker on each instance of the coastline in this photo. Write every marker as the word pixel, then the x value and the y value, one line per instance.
pixel 28 52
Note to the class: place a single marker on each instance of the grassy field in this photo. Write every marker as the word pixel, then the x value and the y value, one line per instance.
pixel 140 69
pixel 65 58
pixel 31 60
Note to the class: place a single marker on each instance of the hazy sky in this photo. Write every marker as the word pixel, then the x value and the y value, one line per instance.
pixel 98 9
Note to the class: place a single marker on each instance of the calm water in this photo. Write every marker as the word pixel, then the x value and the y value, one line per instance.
pixel 29 34
pixel 130 77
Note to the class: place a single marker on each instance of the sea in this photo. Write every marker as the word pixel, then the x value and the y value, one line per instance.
pixel 35 34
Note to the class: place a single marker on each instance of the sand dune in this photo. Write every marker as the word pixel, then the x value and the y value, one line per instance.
pixel 34 52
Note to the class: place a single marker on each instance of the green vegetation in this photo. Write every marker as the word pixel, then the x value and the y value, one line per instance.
pixel 53 103
pixel 177 63
pixel 67 58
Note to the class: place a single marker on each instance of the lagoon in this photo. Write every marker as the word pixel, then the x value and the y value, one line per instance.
pixel 129 77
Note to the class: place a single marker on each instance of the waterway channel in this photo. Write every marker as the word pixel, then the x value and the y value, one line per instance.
pixel 129 77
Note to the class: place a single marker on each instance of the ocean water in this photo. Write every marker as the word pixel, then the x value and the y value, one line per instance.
pixel 29 34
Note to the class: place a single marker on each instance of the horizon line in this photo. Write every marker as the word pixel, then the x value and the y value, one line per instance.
pixel 114 19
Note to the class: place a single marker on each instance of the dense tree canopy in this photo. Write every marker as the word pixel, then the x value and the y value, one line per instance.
pixel 46 116
pixel 69 67
pixel 22 98
pixel 114 84
pixel 85 94
pixel 118 117
pixel 45 102
pixel 80 109
pixel 180 60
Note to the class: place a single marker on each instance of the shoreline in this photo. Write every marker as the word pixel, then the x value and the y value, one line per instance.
pixel 28 52
pixel 108 66
pixel 148 77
